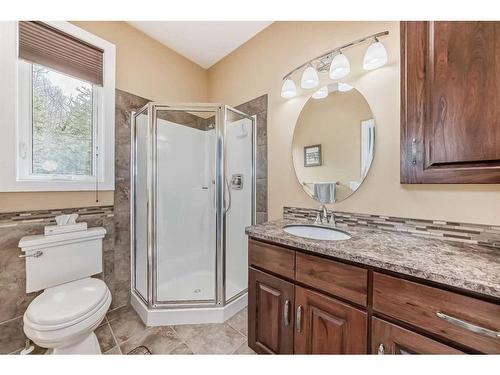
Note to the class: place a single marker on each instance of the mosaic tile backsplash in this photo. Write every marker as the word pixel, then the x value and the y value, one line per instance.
pixel 487 235
pixel 47 217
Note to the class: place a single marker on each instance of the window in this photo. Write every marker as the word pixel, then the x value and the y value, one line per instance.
pixel 62 118
pixel 61 136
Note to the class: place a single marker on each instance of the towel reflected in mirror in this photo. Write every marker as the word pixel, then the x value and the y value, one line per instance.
pixel 324 192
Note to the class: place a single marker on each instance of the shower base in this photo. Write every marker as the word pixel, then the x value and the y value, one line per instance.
pixel 177 316
pixel 198 285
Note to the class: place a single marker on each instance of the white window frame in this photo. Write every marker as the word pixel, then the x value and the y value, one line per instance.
pixel 25 132
pixel 15 170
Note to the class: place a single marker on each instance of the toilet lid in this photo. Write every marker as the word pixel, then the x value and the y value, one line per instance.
pixel 67 302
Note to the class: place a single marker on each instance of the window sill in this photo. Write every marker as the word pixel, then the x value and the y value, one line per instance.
pixel 57 185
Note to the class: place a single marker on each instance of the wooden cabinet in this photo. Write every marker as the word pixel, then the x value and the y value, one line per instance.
pixel 450 90
pixel 307 304
pixel 274 259
pixel 327 326
pixel 340 279
pixel 322 325
pixel 465 320
pixel 270 313
pixel 388 338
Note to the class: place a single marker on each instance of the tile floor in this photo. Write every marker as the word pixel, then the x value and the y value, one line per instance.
pixel 123 330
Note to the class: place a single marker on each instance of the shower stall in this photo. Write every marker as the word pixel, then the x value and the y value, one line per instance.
pixel 192 195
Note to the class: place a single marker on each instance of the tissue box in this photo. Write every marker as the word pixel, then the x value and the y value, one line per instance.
pixel 50 230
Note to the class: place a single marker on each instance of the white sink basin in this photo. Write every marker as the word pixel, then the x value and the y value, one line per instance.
pixel 316 233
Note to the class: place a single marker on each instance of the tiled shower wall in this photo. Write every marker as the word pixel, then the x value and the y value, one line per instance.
pixel 116 220
pixel 258 108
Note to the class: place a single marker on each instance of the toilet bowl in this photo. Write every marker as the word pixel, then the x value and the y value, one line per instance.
pixel 64 317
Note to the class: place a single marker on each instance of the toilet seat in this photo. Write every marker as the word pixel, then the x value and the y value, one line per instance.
pixel 66 304
pixel 60 315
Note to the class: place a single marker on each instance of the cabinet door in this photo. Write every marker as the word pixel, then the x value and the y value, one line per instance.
pixel 450 90
pixel 270 313
pixel 327 326
pixel 388 338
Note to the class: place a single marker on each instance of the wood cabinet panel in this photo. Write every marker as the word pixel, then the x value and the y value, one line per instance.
pixel 272 258
pixel 340 279
pixel 270 313
pixel 438 311
pixel 464 101
pixel 388 338
pixel 450 90
pixel 327 326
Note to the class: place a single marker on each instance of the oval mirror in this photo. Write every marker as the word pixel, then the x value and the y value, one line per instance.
pixel 333 143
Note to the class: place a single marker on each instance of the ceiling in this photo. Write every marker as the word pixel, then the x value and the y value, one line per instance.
pixel 203 42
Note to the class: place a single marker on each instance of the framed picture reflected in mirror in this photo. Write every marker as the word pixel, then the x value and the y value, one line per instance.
pixel 312 156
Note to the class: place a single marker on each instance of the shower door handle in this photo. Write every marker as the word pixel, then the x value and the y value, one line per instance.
pixel 286 313
pixel 226 186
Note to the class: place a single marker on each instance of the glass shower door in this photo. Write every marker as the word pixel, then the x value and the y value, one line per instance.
pixel 139 198
pixel 239 197
pixel 185 207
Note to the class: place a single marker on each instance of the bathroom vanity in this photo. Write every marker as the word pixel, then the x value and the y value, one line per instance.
pixel 374 290
pixel 378 292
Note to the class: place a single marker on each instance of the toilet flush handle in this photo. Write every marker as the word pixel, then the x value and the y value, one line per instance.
pixel 36 254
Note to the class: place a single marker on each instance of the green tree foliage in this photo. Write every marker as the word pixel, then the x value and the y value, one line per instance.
pixel 62 127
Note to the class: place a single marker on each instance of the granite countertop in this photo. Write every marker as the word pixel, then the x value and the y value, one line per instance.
pixel 470 267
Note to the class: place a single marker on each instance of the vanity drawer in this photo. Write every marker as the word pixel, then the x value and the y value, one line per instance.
pixel 465 320
pixel 271 258
pixel 342 280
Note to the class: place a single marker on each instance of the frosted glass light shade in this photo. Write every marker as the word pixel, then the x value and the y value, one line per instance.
pixel 309 78
pixel 288 90
pixel 344 87
pixel 375 56
pixel 321 93
pixel 340 66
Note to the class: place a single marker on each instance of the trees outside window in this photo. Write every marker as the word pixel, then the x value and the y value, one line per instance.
pixel 62 130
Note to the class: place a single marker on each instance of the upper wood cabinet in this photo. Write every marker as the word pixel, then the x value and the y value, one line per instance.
pixel 450 102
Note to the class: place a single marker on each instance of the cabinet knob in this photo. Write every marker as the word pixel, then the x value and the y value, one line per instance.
pixel 381 349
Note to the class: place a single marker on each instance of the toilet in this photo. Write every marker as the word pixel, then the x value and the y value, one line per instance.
pixel 73 304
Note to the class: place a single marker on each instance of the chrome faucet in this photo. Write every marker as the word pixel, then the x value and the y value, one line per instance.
pixel 322 216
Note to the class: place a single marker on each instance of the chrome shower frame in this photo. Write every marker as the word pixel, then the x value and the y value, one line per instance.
pixel 221 115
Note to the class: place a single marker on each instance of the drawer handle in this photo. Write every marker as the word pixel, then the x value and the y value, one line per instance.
pixel 468 326
pixel 286 313
pixel 298 322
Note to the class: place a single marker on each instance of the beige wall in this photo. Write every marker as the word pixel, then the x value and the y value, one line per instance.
pixel 144 67
pixel 257 67
pixel 147 68
pixel 335 123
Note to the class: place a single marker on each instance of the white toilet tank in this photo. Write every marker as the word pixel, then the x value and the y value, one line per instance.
pixel 58 259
